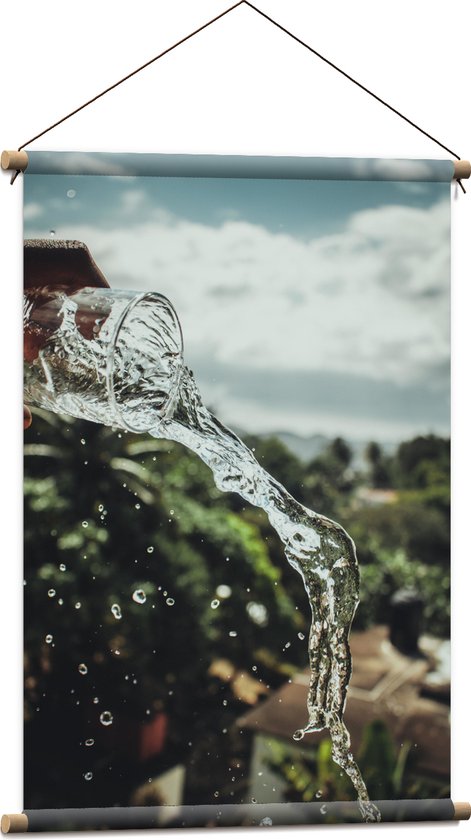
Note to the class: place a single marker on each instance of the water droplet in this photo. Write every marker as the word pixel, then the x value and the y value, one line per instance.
pixel 170 602
pixel 106 718
pixel 301 636
pixel 254 667
pixel 253 800
pixel 171 512
pixel 60 601
pixel 84 524
pixel 227 559
pixel 150 549
pixel 83 668
pixel 78 605
pixel 101 508
pixel 298 735
pixel 83 441
pixel 216 793
pixel 71 193
pixel 52 233
pixel 287 645
pixel 49 638
pixel 266 821
pixel 318 794
pixel 233 633
pixel 215 604
pixel 224 591
pixel 139 596
pixel 88 776
pixel 96 700
pixel 89 742
pixel 137 506
pixel 116 610
pixel 258 613
pixel 62 567
pixel 323 809
pixel 51 593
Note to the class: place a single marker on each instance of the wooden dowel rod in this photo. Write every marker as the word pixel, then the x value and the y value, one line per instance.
pixel 114 818
pixel 14 823
pixel 18 161
pixel 462 810
pixel 462 169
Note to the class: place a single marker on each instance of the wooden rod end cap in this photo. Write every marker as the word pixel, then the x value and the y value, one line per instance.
pixel 14 160
pixel 14 823
pixel 462 169
pixel 462 810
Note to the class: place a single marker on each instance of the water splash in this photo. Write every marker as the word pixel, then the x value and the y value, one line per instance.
pixel 319 549
pixel 116 610
pixel 144 386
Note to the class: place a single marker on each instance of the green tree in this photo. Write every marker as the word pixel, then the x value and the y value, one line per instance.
pixel 421 461
pixel 136 568
pixel 379 465
pixel 329 479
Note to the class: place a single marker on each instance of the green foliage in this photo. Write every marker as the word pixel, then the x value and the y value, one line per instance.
pixel 377 761
pixel 380 466
pixel 329 479
pixel 107 513
pixel 420 530
pixel 423 463
pixel 277 460
pixel 388 771
pixel 391 571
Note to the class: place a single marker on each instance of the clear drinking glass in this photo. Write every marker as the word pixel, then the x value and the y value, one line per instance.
pixel 102 354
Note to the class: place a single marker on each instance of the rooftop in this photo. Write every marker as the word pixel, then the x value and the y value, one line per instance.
pixel 409 694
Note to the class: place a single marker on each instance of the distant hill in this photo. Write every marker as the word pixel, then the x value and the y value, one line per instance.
pixel 307 448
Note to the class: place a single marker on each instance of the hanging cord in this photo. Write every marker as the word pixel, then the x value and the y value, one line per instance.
pixel 200 29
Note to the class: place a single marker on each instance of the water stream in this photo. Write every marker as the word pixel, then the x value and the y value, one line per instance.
pixel 143 385
pixel 318 548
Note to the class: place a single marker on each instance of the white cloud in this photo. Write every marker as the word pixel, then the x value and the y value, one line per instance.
pixel 371 300
pixel 32 210
pixel 253 415
pixel 132 200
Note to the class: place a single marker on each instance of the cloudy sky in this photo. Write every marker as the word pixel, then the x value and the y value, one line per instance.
pixel 306 306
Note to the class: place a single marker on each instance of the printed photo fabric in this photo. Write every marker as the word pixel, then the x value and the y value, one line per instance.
pixel 237 500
